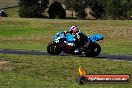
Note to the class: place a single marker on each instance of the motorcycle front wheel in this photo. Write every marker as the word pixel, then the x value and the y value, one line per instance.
pixel 53 49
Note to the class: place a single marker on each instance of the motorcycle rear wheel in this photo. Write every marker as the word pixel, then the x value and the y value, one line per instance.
pixel 93 50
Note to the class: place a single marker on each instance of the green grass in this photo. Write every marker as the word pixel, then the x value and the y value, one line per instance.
pixel 43 71
pixel 27 71
pixel 8 3
pixel 4 1
pixel 12 12
pixel 35 34
pixel 58 71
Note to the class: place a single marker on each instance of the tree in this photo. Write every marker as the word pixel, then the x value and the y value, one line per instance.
pixel 118 9
pixel 79 7
pixel 114 9
pixel 32 8
pixel 56 11
pixel 129 12
pixel 97 8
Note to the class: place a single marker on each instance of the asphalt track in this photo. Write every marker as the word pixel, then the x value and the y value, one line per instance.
pixel 105 56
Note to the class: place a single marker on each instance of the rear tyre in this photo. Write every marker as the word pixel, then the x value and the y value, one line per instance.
pixel 93 50
pixel 54 49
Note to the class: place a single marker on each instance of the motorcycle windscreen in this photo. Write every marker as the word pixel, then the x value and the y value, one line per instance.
pixel 96 37
pixel 69 38
pixel 59 35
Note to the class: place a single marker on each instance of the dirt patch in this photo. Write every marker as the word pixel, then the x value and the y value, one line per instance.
pixel 3 62
pixel 5 65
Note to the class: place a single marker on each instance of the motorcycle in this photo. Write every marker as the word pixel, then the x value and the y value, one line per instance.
pixel 64 42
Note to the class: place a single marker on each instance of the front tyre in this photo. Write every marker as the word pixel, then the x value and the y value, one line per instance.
pixel 93 50
pixel 53 49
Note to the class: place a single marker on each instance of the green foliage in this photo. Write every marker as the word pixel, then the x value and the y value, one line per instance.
pixel 32 8
pixel 56 11
pixel 129 8
pixel 117 9
pixel 97 8
pixel 114 9
pixel 79 7
pixel 45 71
pixel 35 34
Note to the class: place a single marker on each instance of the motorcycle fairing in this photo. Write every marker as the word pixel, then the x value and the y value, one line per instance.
pixel 95 37
pixel 69 37
pixel 61 35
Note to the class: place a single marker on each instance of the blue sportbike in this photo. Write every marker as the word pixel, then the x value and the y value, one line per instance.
pixel 66 43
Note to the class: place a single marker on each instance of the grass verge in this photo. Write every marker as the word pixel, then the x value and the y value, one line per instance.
pixel 59 71
pixel 35 34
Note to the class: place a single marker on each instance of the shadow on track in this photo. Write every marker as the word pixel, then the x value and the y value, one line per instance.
pixel 105 56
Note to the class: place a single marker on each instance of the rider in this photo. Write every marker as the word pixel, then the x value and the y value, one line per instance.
pixel 75 32
pixel 80 38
